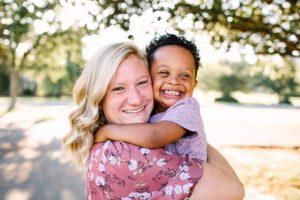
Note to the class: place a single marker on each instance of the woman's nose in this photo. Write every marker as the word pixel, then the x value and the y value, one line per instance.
pixel 134 97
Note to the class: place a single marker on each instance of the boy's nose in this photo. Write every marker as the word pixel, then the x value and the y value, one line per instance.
pixel 174 81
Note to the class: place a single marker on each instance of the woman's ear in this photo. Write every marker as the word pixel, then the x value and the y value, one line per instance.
pixel 102 118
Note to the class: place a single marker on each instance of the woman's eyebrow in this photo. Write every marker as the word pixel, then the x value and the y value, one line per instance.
pixel 119 83
pixel 145 76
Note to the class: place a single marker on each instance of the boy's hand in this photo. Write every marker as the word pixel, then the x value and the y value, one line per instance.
pixel 100 135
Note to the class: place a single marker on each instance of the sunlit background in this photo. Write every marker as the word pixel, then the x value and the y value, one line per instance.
pixel 248 87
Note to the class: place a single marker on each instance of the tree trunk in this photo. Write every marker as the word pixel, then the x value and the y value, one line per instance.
pixel 285 99
pixel 13 87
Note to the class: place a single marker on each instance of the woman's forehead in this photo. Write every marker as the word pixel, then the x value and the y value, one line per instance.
pixel 130 68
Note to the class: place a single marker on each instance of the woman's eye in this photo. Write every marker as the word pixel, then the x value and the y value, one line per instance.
pixel 143 82
pixel 117 89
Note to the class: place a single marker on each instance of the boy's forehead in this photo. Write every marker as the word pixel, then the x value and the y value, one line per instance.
pixel 173 53
pixel 162 66
pixel 172 49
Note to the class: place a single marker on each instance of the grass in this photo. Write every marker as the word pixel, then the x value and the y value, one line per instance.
pixel 273 172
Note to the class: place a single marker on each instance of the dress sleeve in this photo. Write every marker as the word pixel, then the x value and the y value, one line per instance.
pixel 118 170
pixel 185 113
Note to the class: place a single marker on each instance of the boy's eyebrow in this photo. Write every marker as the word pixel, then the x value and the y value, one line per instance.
pixel 189 69
pixel 166 66
pixel 159 66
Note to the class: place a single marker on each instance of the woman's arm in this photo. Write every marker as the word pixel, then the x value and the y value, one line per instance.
pixel 145 135
pixel 219 181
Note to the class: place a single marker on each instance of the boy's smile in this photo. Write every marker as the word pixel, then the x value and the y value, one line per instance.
pixel 172 93
pixel 173 74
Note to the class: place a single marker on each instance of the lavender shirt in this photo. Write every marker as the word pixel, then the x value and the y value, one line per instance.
pixel 186 113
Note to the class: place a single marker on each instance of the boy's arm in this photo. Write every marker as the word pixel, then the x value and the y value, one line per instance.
pixel 145 135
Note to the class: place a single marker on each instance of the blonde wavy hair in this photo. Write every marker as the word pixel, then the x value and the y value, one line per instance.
pixel 88 93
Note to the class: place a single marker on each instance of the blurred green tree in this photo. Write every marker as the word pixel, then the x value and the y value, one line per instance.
pixel 60 81
pixel 26 27
pixel 62 66
pixel 228 77
pixel 4 80
pixel 270 26
pixel 278 78
pixel 228 84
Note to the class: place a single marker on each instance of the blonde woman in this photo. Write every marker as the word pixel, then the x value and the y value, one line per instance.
pixel 115 87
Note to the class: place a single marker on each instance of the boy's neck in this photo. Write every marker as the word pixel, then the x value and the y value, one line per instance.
pixel 158 109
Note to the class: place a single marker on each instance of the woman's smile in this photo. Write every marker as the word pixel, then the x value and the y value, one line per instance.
pixel 135 111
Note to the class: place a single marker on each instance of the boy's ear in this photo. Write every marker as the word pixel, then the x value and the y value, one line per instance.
pixel 195 83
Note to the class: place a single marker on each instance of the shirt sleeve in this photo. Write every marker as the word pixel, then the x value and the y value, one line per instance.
pixel 185 113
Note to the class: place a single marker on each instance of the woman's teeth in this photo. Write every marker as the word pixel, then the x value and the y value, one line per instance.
pixel 170 92
pixel 134 111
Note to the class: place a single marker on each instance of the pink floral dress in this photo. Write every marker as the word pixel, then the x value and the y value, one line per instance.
pixel 118 170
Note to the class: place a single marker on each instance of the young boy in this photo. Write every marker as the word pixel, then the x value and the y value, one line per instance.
pixel 176 122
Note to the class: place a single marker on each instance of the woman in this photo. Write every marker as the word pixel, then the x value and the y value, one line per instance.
pixel 115 87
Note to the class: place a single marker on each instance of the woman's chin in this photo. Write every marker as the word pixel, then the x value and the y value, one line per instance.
pixel 139 117
pixel 135 121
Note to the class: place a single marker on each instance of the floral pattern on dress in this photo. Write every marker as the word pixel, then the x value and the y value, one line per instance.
pixel 117 170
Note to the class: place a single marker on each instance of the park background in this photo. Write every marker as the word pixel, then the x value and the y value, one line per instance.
pixel 248 87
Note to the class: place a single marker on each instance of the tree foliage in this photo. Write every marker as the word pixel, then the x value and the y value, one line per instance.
pixel 227 77
pixel 25 31
pixel 270 26
pixel 60 80
pixel 278 78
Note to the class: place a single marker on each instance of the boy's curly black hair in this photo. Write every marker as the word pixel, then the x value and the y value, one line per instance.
pixel 172 39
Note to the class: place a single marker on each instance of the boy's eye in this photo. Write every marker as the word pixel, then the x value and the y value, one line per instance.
pixel 185 76
pixel 163 73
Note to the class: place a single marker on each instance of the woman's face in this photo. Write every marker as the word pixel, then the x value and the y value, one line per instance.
pixel 129 97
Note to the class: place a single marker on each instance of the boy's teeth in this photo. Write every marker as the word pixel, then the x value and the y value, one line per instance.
pixel 134 111
pixel 169 92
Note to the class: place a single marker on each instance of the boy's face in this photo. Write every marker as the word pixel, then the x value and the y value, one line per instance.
pixel 173 74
